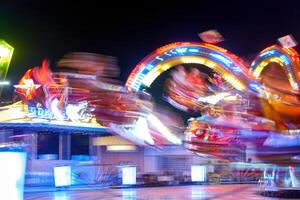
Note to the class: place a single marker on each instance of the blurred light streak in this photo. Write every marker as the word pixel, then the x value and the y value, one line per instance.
pixel 164 130
pixel 4 82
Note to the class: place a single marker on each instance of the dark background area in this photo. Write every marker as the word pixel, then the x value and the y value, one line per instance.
pixel 158 89
pixel 130 30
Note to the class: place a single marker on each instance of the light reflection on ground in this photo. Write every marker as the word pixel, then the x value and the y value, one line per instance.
pixel 207 192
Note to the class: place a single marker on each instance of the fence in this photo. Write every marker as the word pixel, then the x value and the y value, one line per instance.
pixel 41 173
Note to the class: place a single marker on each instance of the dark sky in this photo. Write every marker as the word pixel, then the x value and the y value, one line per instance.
pixel 130 30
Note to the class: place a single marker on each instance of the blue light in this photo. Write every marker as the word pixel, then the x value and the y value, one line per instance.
pixel 255 86
pixel 173 52
pixel 267 53
pixel 159 58
pixel 140 76
pixel 136 86
pixel 80 157
pixel 236 69
pixel 194 50
pixel 40 113
pixel 166 53
pixel 149 67
pixel 285 59
pixel 181 50
pixel 221 58
pixel 143 73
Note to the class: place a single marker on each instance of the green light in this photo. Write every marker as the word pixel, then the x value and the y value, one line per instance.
pixel 6 52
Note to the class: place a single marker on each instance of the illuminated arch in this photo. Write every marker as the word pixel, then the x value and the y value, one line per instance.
pixel 218 59
pixel 288 59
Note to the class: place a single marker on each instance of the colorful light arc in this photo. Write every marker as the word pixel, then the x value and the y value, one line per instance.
pixel 218 59
pixel 288 59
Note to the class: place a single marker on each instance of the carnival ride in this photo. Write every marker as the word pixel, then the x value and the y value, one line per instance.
pixel 238 103
pixel 83 93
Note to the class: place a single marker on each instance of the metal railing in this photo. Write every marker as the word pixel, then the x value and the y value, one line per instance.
pixel 41 173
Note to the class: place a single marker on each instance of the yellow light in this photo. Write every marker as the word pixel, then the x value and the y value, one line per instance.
pixel 160 68
pixel 193 59
pixel 210 64
pixel 258 69
pixel 234 82
pixel 6 52
pixel 111 141
pixel 121 148
pixel 150 77
pixel 165 67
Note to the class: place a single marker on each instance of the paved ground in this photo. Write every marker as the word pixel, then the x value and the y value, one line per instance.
pixel 208 192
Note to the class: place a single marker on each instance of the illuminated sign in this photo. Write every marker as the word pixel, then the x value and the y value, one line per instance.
pixel 6 52
pixel 40 113
pixel 12 173
pixel 75 113
pixel 62 176
pixel 128 175
pixel 198 173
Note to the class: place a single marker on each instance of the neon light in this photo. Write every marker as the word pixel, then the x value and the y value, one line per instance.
pixel 121 148
pixel 153 74
pixel 222 59
pixel 159 58
pixel 6 52
pixel 255 86
pixel 258 69
pixel 173 52
pixel 209 55
pixel 267 53
pixel 150 78
pixel 193 60
pixel 194 50
pixel 181 50
pixel 286 58
pixel 235 82
pixel 236 69
pixel 291 52
pixel 40 113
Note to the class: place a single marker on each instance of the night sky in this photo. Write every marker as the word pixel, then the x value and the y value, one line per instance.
pixel 129 32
